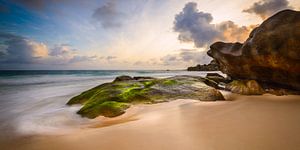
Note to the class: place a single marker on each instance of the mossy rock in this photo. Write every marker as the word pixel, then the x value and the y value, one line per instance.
pixel 169 82
pixel 121 93
pixel 106 109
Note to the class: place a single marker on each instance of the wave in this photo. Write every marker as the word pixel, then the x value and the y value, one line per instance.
pixel 33 102
pixel 14 78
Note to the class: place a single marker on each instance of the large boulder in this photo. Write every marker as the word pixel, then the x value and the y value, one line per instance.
pixel 112 99
pixel 271 54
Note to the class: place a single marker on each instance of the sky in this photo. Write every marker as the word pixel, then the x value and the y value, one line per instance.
pixel 123 34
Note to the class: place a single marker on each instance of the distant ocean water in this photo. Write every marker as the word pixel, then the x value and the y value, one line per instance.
pixel 33 102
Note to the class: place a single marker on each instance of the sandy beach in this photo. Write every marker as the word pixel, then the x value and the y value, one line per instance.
pixel 149 75
pixel 248 122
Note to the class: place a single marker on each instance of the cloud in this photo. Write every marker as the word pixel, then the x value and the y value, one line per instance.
pixel 39 5
pixel 170 60
pixel 32 4
pixel 185 57
pixel 62 54
pixel 79 58
pixel 66 54
pixel 266 8
pixel 232 32
pixel 4 8
pixel 110 58
pixel 150 62
pixel 2 54
pixel 181 58
pixel 108 15
pixel 196 26
pixel 61 50
pixel 17 49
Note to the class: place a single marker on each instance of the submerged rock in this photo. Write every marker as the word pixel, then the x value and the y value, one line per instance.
pixel 271 54
pixel 142 78
pixel 112 99
pixel 123 78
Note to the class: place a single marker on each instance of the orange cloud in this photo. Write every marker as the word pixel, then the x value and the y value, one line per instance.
pixel 232 32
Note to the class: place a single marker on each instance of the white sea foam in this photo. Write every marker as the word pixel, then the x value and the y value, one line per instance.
pixel 35 104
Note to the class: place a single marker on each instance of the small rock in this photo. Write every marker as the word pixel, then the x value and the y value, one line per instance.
pixel 123 78
pixel 142 78
pixel 245 87
pixel 217 78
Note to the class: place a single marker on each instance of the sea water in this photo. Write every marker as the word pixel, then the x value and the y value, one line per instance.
pixel 34 102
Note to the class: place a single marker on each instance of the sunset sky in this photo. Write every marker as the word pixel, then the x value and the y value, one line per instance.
pixel 123 34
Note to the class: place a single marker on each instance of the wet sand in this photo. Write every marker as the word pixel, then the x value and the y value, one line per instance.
pixel 247 123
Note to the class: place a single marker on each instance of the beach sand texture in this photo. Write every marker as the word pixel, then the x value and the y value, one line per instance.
pixel 247 123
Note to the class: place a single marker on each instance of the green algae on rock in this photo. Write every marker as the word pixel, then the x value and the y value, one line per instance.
pixel 106 109
pixel 112 99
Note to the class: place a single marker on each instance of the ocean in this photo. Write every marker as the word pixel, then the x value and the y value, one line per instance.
pixel 33 102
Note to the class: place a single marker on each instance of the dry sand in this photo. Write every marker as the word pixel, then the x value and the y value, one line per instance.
pixel 247 123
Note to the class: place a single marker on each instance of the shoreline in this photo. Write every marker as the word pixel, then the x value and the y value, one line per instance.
pixel 258 122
